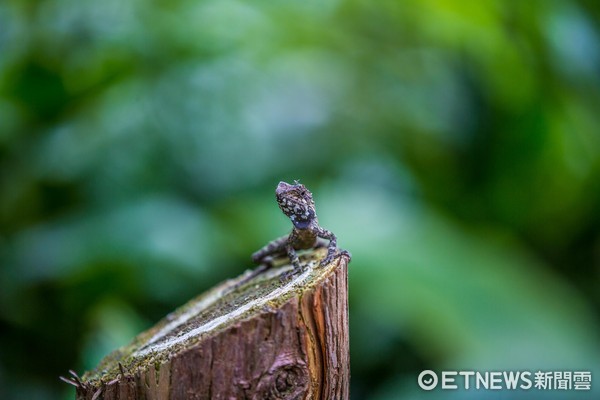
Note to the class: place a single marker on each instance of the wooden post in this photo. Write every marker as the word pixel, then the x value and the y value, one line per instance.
pixel 263 339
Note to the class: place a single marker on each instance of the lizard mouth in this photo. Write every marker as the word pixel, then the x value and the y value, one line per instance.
pixel 282 188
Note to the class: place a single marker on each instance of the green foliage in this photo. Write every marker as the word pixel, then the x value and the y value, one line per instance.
pixel 454 148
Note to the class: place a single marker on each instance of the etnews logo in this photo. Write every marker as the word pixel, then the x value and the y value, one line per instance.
pixel 507 380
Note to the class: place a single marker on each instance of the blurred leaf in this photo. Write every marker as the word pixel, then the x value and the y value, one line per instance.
pixel 453 147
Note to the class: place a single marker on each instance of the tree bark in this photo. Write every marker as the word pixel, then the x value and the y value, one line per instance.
pixel 261 339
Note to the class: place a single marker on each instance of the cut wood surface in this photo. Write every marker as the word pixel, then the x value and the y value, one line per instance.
pixel 262 339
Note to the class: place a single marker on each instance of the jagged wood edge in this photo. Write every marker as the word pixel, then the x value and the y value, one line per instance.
pixel 100 382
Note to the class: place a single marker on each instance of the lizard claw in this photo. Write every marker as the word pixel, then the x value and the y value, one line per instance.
pixel 286 276
pixel 346 253
pixel 326 261
pixel 290 273
pixel 329 258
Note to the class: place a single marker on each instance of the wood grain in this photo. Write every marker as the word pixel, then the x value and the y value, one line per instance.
pixel 265 339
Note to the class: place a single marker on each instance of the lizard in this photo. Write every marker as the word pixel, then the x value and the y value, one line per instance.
pixel 297 203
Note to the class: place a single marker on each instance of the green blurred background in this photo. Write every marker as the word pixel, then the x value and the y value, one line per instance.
pixel 454 147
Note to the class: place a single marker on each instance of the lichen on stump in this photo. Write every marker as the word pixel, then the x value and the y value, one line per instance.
pixel 263 339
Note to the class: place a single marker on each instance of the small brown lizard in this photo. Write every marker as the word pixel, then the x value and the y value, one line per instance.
pixel 297 204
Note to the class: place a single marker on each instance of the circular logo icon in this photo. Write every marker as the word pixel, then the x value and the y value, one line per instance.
pixel 427 379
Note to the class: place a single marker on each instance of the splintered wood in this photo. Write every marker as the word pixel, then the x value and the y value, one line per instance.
pixel 263 339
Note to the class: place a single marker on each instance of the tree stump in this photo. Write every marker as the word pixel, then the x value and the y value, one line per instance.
pixel 261 339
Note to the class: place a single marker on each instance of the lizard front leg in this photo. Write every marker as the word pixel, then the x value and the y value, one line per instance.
pixel 291 252
pixel 332 247
pixel 294 260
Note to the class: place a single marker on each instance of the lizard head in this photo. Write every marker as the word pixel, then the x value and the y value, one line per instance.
pixel 297 203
